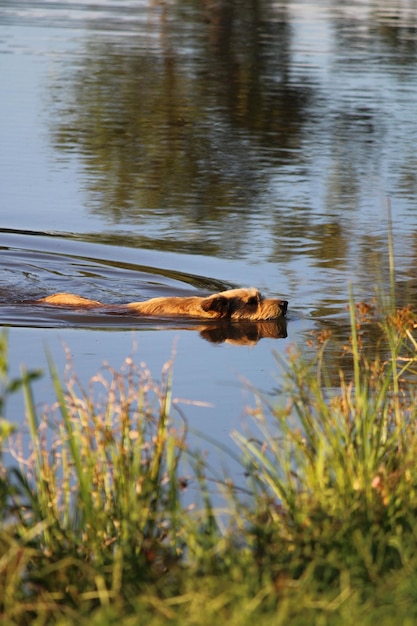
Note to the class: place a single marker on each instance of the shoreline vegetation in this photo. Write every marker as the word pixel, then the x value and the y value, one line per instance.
pixel 111 518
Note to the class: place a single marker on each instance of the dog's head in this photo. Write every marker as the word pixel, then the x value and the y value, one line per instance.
pixel 244 304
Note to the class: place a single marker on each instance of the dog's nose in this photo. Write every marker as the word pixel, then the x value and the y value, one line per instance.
pixel 284 306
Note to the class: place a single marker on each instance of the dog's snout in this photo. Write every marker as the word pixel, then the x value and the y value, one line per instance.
pixel 284 306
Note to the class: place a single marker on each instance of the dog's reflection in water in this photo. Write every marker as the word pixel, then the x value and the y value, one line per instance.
pixel 243 333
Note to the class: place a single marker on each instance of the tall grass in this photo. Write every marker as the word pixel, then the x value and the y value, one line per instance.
pixel 107 485
pixel 97 529
pixel 333 468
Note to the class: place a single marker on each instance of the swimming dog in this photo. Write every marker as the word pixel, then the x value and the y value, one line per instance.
pixel 234 305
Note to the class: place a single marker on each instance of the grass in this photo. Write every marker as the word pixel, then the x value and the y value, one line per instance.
pixel 110 518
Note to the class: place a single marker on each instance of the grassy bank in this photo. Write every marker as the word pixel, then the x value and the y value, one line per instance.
pixel 110 518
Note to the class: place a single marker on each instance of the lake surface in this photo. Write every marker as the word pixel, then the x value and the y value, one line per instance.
pixel 182 147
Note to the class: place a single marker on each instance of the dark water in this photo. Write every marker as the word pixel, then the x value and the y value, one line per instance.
pixel 185 147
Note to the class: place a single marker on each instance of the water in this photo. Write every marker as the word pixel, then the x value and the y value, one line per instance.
pixel 163 149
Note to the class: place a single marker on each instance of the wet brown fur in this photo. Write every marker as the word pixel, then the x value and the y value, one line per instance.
pixel 234 304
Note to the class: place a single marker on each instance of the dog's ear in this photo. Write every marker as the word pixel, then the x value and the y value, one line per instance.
pixel 216 304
